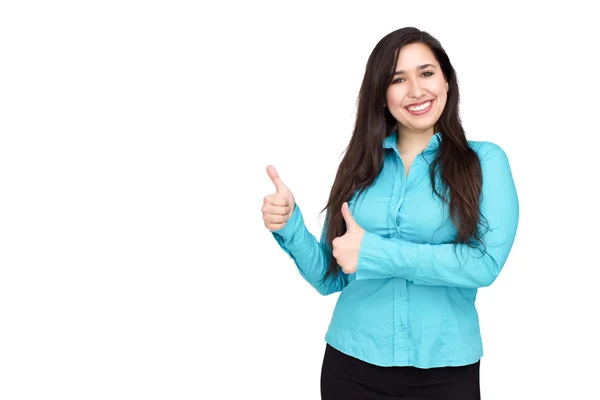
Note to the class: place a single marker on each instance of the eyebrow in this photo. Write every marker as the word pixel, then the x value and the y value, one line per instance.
pixel 420 67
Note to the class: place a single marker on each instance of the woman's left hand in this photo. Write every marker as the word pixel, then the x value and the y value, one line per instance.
pixel 347 246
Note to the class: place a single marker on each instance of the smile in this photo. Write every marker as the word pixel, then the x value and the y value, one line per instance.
pixel 421 108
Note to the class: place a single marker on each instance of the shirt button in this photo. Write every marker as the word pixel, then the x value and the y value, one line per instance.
pixel 401 327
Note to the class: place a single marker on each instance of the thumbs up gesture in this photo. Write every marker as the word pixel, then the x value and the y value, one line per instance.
pixel 277 207
pixel 347 247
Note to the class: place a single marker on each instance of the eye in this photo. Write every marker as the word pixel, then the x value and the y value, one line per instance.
pixel 427 73
pixel 398 80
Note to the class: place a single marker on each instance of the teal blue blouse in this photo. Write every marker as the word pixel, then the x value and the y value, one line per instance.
pixel 411 301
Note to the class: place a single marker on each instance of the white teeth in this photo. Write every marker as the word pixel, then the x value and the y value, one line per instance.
pixel 421 107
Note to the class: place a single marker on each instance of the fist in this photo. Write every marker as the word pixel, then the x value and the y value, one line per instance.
pixel 277 207
pixel 345 248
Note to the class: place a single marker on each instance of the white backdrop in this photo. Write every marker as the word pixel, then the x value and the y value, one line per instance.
pixel 134 137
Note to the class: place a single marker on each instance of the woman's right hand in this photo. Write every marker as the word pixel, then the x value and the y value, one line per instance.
pixel 277 207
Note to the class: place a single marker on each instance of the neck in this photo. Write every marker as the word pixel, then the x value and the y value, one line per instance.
pixel 413 142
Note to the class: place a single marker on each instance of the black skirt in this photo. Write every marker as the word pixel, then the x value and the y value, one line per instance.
pixel 348 378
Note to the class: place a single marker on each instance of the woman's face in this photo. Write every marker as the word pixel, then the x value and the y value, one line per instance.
pixel 418 92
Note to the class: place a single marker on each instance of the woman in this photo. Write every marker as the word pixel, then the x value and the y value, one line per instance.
pixel 417 220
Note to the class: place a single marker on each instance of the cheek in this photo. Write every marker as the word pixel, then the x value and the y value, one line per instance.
pixel 394 98
pixel 439 89
pixel 442 97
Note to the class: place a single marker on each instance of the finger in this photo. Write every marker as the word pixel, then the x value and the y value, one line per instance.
pixel 274 227
pixel 276 219
pixel 277 200
pixel 272 172
pixel 275 210
pixel 350 222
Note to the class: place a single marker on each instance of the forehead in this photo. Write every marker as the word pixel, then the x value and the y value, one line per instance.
pixel 415 54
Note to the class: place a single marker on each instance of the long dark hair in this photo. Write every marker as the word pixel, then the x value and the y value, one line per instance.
pixel 455 163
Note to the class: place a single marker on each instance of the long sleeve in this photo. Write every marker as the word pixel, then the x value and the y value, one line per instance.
pixel 310 256
pixel 449 264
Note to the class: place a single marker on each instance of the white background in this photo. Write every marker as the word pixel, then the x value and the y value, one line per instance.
pixel 134 138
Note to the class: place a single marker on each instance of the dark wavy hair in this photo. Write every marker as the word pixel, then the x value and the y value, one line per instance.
pixel 455 163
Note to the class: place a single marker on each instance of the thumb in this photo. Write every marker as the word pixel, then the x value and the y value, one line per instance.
pixel 279 185
pixel 350 222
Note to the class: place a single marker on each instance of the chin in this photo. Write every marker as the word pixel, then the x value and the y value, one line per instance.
pixel 423 126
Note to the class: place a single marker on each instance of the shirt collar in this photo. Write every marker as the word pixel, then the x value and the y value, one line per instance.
pixel 391 140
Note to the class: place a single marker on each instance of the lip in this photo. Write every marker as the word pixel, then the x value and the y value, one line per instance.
pixel 420 112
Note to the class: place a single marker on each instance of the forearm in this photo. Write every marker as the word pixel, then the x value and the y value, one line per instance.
pixel 426 264
pixel 310 256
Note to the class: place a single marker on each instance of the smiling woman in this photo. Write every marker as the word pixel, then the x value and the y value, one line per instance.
pixel 417 95
pixel 418 218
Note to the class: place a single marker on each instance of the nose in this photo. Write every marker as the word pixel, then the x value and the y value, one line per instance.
pixel 416 91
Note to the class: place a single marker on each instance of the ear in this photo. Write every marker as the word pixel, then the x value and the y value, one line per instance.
pixel 447 86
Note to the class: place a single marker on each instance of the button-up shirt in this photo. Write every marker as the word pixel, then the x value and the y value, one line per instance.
pixel 411 301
